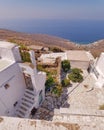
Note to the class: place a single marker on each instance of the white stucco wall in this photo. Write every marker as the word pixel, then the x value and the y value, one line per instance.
pixel 9 51
pixel 48 58
pixel 12 76
pixel 38 81
pixel 16 54
pixel 100 64
pixel 6 54
pixel 99 69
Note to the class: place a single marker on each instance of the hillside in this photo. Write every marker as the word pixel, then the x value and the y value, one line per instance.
pixel 35 39
pixel 95 48
pixel 46 40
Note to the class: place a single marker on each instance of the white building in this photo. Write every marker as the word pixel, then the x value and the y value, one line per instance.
pixel 78 58
pixel 98 71
pixel 22 88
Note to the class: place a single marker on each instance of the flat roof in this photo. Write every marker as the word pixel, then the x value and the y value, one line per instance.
pixel 77 55
pixel 4 64
pixel 5 44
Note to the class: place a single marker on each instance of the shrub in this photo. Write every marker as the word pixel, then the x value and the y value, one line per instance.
pixel 57 90
pixel 75 75
pixel 25 56
pixel 49 82
pixel 76 70
pixel 65 82
pixel 66 65
pixel 24 51
pixel 55 49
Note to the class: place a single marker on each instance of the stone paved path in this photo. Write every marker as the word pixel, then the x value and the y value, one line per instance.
pixel 79 100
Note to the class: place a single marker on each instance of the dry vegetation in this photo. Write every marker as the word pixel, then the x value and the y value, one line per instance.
pixel 49 41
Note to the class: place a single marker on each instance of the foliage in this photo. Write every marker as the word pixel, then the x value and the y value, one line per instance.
pixel 49 71
pixel 23 47
pixel 40 68
pixel 24 51
pixel 57 90
pixel 12 40
pixel 101 107
pixel 49 82
pixel 76 70
pixel 55 49
pixel 66 65
pixel 65 82
pixel 75 75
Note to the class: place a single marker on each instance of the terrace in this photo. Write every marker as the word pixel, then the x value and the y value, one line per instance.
pixel 5 64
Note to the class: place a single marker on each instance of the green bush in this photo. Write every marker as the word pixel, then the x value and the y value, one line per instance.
pixel 75 75
pixel 24 51
pixel 55 49
pixel 65 82
pixel 66 65
pixel 57 90
pixel 49 82
pixel 76 70
pixel 25 56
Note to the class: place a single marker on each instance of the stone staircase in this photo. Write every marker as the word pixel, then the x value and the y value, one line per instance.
pixel 26 104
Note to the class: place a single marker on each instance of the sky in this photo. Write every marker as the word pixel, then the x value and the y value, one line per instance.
pixel 51 9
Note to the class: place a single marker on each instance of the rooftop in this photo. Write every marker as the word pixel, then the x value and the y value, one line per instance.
pixel 77 55
pixel 4 64
pixel 5 44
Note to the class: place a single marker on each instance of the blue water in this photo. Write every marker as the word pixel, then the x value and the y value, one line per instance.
pixel 79 31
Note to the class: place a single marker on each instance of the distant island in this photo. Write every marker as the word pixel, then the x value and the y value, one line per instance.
pixel 50 41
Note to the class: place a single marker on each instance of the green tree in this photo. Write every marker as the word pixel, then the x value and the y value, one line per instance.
pixel 75 75
pixel 65 82
pixel 66 65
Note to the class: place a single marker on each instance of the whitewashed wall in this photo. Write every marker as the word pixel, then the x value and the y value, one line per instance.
pixel 12 76
pixel 6 54
pixel 16 54
pixel 100 64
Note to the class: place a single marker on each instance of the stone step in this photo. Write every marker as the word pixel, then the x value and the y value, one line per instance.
pixel 26 99
pixel 30 92
pixel 20 110
pixel 23 107
pixel 29 96
pixel 26 104
pixel 19 115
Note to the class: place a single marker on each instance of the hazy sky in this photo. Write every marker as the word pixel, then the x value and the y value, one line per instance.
pixel 51 9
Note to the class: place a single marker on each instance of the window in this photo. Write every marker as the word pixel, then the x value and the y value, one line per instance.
pixel 6 86
pixel 40 97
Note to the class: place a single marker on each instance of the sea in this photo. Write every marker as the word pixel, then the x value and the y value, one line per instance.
pixel 78 31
